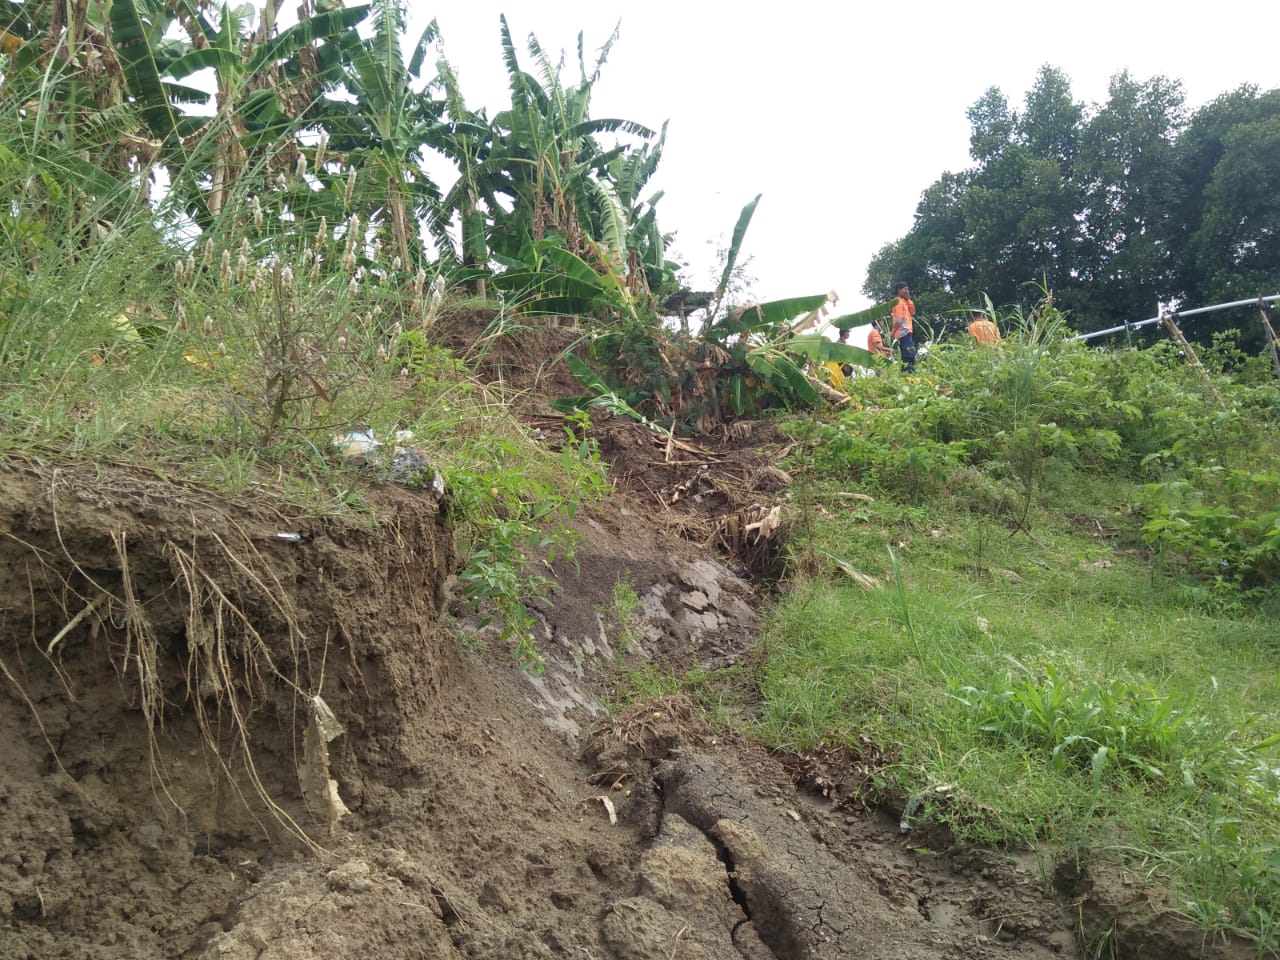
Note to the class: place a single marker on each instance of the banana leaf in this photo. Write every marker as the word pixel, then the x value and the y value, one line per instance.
pixel 817 347
pixel 602 395
pixel 181 93
pixel 141 74
pixel 611 288
pixel 613 221
pixel 739 231
pixel 208 57
pixel 319 27
pixel 586 376
pixel 762 316
pixel 869 315
pixel 774 368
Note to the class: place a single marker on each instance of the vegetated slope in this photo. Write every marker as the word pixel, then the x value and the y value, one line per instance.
pixel 170 788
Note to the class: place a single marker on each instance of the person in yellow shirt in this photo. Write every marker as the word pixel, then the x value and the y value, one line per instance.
pixel 983 329
pixel 836 372
pixel 903 314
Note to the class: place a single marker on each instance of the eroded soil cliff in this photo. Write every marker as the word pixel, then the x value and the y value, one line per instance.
pixel 224 742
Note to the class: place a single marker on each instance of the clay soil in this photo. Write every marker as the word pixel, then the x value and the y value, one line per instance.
pixel 220 742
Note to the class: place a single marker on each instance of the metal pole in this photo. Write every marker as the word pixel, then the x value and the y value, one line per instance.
pixel 1253 301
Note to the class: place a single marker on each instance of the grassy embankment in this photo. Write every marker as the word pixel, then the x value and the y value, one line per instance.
pixel 1067 630
pixel 234 364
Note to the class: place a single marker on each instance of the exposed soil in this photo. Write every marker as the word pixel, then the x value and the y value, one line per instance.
pixel 223 743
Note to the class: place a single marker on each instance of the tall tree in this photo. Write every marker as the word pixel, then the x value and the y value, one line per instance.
pixel 1230 202
pixel 1127 168
pixel 1010 220
pixel 1117 208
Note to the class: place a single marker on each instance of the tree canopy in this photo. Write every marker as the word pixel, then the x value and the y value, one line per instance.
pixel 1115 207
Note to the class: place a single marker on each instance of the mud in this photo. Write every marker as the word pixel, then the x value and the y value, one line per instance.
pixel 173 785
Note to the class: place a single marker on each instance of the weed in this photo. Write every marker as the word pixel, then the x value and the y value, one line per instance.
pixel 622 618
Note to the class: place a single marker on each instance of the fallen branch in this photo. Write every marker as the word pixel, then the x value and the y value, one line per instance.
pixel 671 442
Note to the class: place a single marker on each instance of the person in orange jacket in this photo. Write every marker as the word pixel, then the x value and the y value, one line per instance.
pixel 875 343
pixel 983 330
pixel 903 314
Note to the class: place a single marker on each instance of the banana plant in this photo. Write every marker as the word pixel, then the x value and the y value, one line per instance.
pixel 263 84
pixel 648 270
pixel 383 126
pixel 466 138
pixel 551 280
pixel 744 360
pixel 550 170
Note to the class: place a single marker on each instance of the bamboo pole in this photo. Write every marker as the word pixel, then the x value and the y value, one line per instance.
pixel 1271 336
pixel 1171 325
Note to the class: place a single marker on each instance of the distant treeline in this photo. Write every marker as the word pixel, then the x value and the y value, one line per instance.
pixel 1115 206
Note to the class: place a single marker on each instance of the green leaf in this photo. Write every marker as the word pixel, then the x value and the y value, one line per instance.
pixel 142 76
pixel 421 48
pixel 215 58
pixel 738 393
pixel 869 315
pixel 817 347
pixel 1099 765
pixel 331 23
pixel 180 93
pixel 773 367
pixel 586 376
pixel 1267 743
pixel 762 316
pixel 613 220
pixel 589 127
pixel 739 231
pixel 571 404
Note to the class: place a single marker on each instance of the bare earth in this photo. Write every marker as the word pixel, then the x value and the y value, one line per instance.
pixel 219 743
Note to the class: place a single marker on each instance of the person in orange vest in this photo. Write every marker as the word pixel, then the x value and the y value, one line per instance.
pixel 983 330
pixel 875 343
pixel 903 314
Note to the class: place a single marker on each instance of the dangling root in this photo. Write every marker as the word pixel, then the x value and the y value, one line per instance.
pixel 215 626
pixel 226 594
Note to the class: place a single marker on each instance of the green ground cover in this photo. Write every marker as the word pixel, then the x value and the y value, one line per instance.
pixel 1055 649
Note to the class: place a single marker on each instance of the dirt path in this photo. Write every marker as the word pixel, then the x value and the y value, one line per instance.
pixel 221 743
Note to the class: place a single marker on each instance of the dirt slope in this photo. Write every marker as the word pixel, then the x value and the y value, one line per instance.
pixel 222 743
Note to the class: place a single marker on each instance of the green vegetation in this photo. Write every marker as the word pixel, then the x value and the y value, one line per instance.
pixel 1070 633
pixel 1073 556
pixel 622 617
pixel 1117 207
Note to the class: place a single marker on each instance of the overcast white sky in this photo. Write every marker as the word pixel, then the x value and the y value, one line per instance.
pixel 839 115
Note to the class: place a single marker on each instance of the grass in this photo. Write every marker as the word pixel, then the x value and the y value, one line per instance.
pixel 1062 692
pixel 234 364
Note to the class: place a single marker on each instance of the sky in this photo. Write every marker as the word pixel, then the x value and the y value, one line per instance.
pixel 841 115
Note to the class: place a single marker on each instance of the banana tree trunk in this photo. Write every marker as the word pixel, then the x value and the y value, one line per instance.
pixel 267 22
pixel 471 239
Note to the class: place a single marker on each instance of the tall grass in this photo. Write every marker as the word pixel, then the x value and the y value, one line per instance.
pixel 1060 686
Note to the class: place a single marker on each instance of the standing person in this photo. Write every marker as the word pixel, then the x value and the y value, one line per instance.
pixel 983 329
pixel 904 313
